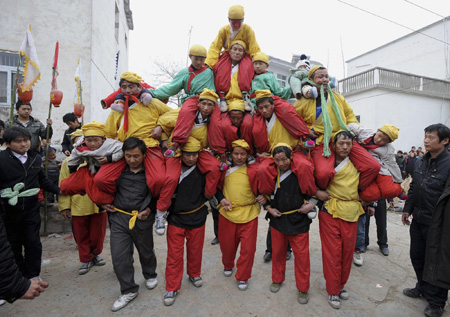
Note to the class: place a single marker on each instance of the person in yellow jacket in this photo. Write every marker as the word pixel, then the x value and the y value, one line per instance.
pixel 88 225
pixel 238 218
pixel 338 221
pixel 236 30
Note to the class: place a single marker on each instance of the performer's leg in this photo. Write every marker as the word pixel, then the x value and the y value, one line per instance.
pixel 323 167
pixel 247 234
pixel 304 169
pixel 174 263
pixel 194 250
pixel 228 241
pixel 365 163
pixel 300 247
pixel 155 170
pixel 279 245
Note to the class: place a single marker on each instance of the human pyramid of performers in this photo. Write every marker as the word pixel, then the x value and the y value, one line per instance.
pixel 238 144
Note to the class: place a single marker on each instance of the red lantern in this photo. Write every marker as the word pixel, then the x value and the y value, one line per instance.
pixel 25 96
pixel 78 109
pixel 56 97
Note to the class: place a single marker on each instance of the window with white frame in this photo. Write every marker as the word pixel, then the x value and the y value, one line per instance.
pixel 281 80
pixel 8 68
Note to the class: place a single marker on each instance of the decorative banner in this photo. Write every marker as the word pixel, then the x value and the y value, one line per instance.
pixel 32 73
pixel 55 66
pixel 78 87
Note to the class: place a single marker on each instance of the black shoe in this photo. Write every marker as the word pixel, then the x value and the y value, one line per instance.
pixel 267 256
pixel 288 255
pixel 433 311
pixel 215 241
pixel 384 250
pixel 412 292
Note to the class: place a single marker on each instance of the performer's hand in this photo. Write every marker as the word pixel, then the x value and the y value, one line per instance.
pixel 102 160
pixel 274 212
pixel 261 199
pixel 66 214
pixel 156 132
pixel 49 121
pixel 35 289
pixel 370 211
pixel 405 219
pixel 108 207
pixel 312 134
pixel 67 152
pixel 391 205
pixel 226 204
pixel 305 208
pixel 365 203
pixel 264 154
pixel 322 195
pixel 164 146
pixel 143 215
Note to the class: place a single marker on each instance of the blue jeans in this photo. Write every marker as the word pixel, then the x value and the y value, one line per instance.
pixel 361 234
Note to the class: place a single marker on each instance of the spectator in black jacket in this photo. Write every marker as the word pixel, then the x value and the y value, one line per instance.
pixel 401 162
pixel 428 181
pixel 12 284
pixel 21 178
pixel 410 163
pixel 72 122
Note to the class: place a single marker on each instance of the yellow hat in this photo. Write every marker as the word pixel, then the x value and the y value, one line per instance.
pixel 131 77
pixel 237 104
pixel 263 93
pixel 240 143
pixel 192 145
pixel 281 144
pixel 77 133
pixel 93 128
pixel 391 131
pixel 208 94
pixel 236 12
pixel 197 50
pixel 313 69
pixel 261 57
pixel 241 43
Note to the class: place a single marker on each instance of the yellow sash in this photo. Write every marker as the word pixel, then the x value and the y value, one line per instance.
pixel 192 211
pixel 134 215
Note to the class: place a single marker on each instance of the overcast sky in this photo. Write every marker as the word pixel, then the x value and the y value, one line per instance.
pixel 282 28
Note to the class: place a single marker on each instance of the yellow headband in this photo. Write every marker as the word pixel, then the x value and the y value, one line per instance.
pixel 313 69
pixel 131 77
pixel 261 57
pixel 241 43
pixel 263 94
pixel 93 128
pixel 197 50
pixel 192 145
pixel 77 133
pixel 281 144
pixel 237 104
pixel 209 94
pixel 391 131
pixel 240 143
pixel 236 12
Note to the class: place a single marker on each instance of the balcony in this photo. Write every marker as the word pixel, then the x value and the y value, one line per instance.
pixel 395 81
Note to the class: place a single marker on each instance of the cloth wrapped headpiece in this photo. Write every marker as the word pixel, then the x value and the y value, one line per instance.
pixel 312 70
pixel 93 128
pixel 241 43
pixel 208 94
pixel 261 57
pixel 197 50
pixel 281 144
pixel 240 143
pixel 131 77
pixel 236 12
pixel 192 145
pixel 77 133
pixel 391 131
pixel 263 93
pixel 237 104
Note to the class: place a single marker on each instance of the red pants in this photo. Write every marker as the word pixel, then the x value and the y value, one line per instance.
pixel 338 239
pixel 360 157
pixel 175 250
pixel 300 247
pixel 155 171
pixel 89 232
pixel 383 187
pixel 230 235
pixel 300 165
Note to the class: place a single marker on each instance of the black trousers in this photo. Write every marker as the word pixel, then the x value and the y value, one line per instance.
pixel 435 295
pixel 215 215
pixel 22 228
pixel 122 241
pixel 380 219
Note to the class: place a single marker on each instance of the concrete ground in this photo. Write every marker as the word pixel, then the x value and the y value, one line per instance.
pixel 375 288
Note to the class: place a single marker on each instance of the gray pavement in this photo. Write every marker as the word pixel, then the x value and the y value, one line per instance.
pixel 375 288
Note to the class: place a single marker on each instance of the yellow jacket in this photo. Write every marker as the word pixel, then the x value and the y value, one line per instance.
pixel 78 205
pixel 343 191
pixel 306 108
pixel 278 133
pixel 237 190
pixel 141 121
pixel 222 40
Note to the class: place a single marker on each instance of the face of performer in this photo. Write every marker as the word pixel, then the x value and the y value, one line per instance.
pixel 265 108
pixel 24 112
pixel 236 53
pixel 134 158
pixel 342 147
pixel 282 161
pixel 20 145
pixel 94 142
pixel 206 107
pixel 128 88
pixel 432 143
pixel 197 61
pixel 321 77
pixel 189 158
pixel 236 117
pixel 380 138
pixel 236 24
pixel 260 67
pixel 239 156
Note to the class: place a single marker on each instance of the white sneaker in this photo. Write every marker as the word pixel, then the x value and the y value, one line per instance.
pixel 151 283
pixel 169 298
pixel 196 281
pixel 242 285
pixel 160 225
pixel 227 272
pixel 223 106
pixel 2 302
pixel 123 301
pixel 357 258
pixel 312 214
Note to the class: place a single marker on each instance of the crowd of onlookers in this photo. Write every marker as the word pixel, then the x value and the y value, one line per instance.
pixel 406 160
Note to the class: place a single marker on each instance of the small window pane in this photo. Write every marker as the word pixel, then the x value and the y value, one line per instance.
pixel 3 87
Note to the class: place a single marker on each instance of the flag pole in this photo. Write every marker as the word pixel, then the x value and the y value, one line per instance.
pixel 81 102
pixel 14 92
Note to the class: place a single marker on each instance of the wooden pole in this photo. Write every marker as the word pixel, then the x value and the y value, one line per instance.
pixel 14 92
